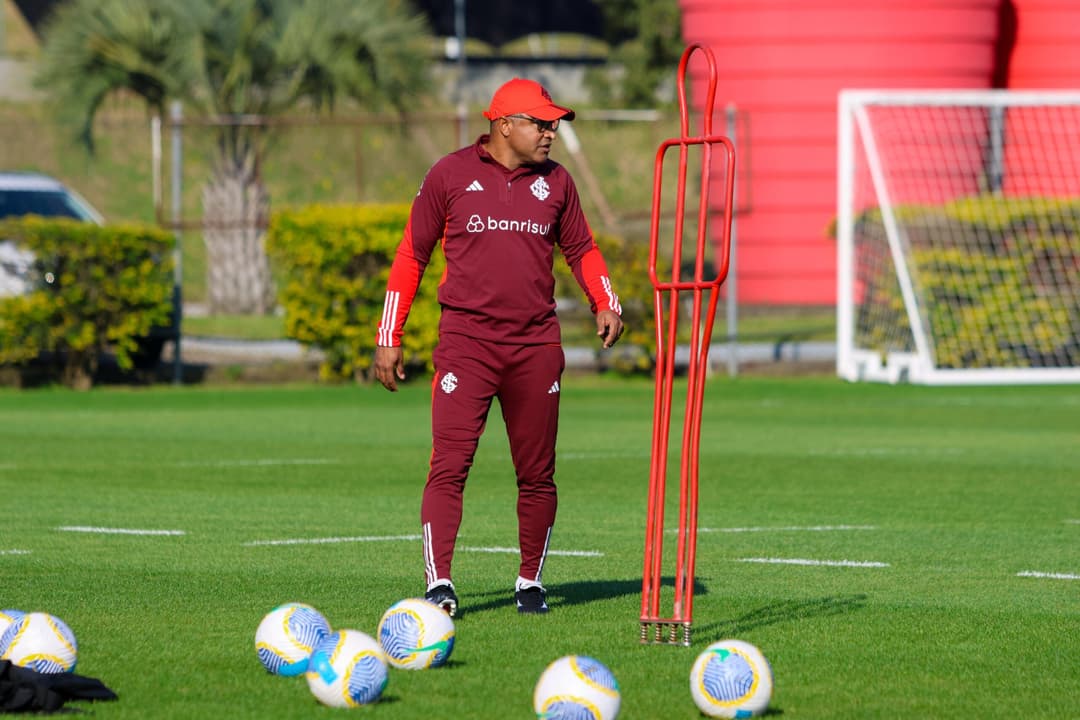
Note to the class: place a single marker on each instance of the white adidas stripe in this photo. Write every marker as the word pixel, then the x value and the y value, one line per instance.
pixel 543 556
pixel 429 555
pixel 613 299
pixel 389 318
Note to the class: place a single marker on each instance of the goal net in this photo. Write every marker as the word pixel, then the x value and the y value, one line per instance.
pixel 958 234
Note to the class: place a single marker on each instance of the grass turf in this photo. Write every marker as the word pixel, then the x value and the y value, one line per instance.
pixel 956 490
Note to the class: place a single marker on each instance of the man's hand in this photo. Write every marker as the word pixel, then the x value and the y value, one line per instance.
pixel 388 365
pixel 609 327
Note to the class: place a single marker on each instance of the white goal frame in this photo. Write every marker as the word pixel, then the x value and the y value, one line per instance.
pixel 916 364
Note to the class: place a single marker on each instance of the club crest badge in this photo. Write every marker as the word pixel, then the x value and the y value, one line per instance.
pixel 540 189
pixel 448 383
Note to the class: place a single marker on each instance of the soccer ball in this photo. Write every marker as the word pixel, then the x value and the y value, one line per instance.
pixel 347 669
pixel 41 642
pixel 416 634
pixel 576 687
pixel 286 637
pixel 7 617
pixel 731 679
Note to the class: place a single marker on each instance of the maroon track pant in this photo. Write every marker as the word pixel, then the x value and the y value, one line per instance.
pixel 468 374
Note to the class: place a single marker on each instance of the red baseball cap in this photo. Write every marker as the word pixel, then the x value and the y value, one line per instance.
pixel 525 97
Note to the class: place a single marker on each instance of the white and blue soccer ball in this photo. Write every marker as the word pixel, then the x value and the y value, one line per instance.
pixel 41 642
pixel 577 687
pixel 347 669
pixel 416 634
pixel 7 617
pixel 731 679
pixel 287 636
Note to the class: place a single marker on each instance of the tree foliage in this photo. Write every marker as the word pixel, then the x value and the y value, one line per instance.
pixel 649 57
pixel 229 59
pixel 232 57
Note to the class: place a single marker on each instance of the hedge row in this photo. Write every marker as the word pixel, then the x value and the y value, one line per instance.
pixel 94 288
pixel 334 262
pixel 88 288
pixel 998 280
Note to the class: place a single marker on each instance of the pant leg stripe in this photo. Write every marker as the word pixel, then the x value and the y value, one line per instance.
pixel 429 556
pixel 543 557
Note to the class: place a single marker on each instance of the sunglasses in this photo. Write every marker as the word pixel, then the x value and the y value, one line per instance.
pixel 541 125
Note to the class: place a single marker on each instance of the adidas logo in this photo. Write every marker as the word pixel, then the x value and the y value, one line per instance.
pixel 474 186
pixel 554 388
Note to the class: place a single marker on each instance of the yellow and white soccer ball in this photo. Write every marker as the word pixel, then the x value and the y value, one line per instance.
pixel 347 669
pixel 287 636
pixel 731 679
pixel 416 634
pixel 577 687
pixel 7 617
pixel 41 642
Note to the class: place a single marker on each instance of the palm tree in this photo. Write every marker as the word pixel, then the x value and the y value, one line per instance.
pixel 230 58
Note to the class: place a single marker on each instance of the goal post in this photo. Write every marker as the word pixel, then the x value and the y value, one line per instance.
pixel 958 236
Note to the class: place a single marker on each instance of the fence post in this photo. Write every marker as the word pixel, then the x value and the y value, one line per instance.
pixel 459 33
pixel 176 117
pixel 731 307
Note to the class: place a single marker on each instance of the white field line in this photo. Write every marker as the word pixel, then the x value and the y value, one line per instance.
pixel 390 538
pixel 332 540
pixel 1047 575
pixel 999 401
pixel 14 552
pixel 884 452
pixel 804 561
pixel 258 462
pixel 788 528
pixel 562 553
pixel 117 531
pixel 1072 521
pixel 601 455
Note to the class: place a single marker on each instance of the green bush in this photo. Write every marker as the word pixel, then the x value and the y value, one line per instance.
pixel 94 288
pixel 335 260
pixel 628 264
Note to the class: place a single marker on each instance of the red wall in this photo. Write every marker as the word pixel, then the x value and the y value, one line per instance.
pixel 1044 53
pixel 782 63
pixel 1044 44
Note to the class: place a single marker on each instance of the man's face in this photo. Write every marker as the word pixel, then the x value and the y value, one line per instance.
pixel 531 139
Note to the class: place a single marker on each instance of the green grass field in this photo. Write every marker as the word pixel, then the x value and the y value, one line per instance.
pixel 955 494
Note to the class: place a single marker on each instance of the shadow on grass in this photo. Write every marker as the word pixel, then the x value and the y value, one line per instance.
pixel 781 612
pixel 47 371
pixel 572 593
pixel 586 591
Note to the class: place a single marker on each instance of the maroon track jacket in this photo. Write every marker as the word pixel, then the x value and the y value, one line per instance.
pixel 499 229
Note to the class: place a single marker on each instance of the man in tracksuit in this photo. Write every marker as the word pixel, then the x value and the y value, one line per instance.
pixel 499 207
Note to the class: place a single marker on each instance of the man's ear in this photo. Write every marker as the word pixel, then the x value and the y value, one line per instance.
pixel 505 126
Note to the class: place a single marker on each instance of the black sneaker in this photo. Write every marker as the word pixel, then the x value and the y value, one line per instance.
pixel 444 597
pixel 531 600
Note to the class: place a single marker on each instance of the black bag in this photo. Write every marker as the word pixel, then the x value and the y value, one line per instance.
pixel 25 690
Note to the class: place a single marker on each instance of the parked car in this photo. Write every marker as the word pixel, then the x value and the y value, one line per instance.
pixel 25 193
